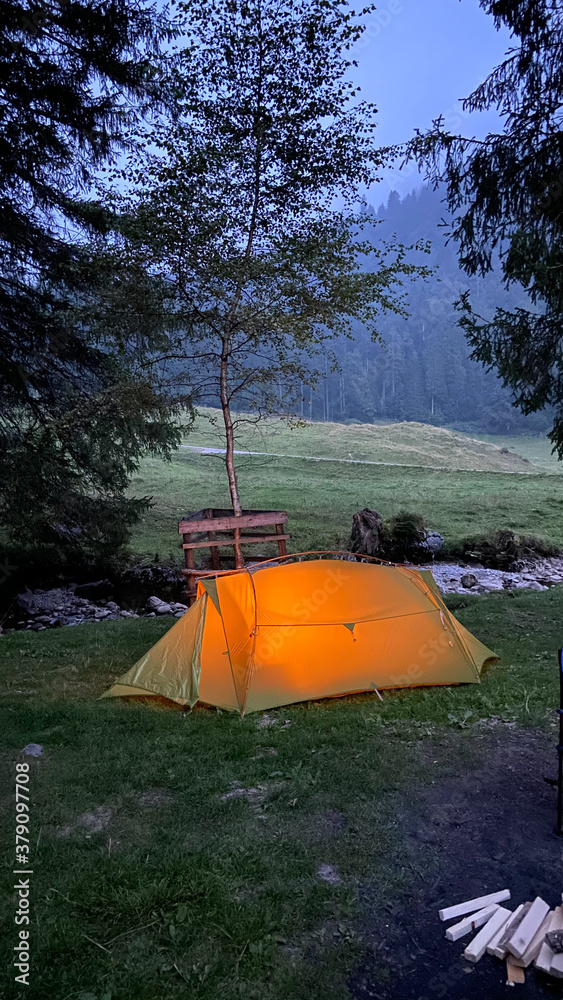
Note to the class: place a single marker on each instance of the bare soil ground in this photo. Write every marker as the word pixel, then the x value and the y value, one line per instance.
pixel 489 826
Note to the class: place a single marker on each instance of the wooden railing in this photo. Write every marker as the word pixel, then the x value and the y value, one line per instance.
pixel 223 530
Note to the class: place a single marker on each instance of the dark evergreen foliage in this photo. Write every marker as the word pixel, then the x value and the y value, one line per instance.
pixel 75 415
pixel 506 193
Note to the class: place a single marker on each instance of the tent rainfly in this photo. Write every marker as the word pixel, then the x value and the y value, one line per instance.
pixel 271 636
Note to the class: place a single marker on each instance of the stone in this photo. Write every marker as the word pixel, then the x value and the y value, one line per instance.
pixel 160 607
pixel 469 580
pixel 432 544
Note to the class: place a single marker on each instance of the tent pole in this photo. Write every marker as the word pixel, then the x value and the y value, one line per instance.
pixel 559 827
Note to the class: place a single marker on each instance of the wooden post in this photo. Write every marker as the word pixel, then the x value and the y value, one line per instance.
pixel 192 585
pixel 209 523
pixel 282 546
pixel 215 557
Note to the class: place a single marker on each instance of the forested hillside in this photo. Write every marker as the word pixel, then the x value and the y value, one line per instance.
pixel 423 372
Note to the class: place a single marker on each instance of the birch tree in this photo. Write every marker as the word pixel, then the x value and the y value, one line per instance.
pixel 247 208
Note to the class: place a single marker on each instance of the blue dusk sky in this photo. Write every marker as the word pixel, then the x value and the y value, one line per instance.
pixel 416 60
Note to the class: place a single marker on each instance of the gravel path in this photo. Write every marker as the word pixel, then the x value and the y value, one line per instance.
pixel 310 458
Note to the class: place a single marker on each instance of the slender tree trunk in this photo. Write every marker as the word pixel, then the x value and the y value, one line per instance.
pixel 230 450
pixel 226 340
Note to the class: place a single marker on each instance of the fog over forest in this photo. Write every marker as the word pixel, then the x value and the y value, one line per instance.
pixel 422 371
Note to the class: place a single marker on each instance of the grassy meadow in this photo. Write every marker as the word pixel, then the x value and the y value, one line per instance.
pixel 212 857
pixel 151 880
pixel 461 485
pixel 404 443
pixel 538 450
pixel 321 498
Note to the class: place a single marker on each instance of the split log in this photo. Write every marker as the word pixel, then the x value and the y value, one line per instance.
pixel 526 931
pixel 477 948
pixel 472 905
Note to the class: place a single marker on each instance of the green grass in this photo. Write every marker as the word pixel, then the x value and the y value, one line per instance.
pixel 216 899
pixel 322 497
pixel 538 450
pixel 404 443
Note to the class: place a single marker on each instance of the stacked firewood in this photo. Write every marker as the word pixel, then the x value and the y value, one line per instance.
pixel 532 934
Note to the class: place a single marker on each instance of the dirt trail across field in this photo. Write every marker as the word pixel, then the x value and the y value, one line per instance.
pixel 486 828
pixel 309 458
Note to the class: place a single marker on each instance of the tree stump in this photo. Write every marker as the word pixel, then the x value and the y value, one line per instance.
pixel 367 529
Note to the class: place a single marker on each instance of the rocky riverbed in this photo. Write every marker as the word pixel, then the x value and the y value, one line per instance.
pixel 38 610
pixel 476 579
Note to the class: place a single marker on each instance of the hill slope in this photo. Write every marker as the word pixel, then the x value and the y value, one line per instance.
pixel 406 443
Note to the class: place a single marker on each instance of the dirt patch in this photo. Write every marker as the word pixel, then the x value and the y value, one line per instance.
pixel 265 721
pixel 328 873
pixel 485 828
pixel 155 798
pixel 265 752
pixel 330 823
pixel 254 795
pixel 89 822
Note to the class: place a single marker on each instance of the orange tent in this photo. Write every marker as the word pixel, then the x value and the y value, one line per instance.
pixel 269 636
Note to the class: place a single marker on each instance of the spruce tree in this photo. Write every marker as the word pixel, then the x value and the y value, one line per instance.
pixel 75 77
pixel 506 194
